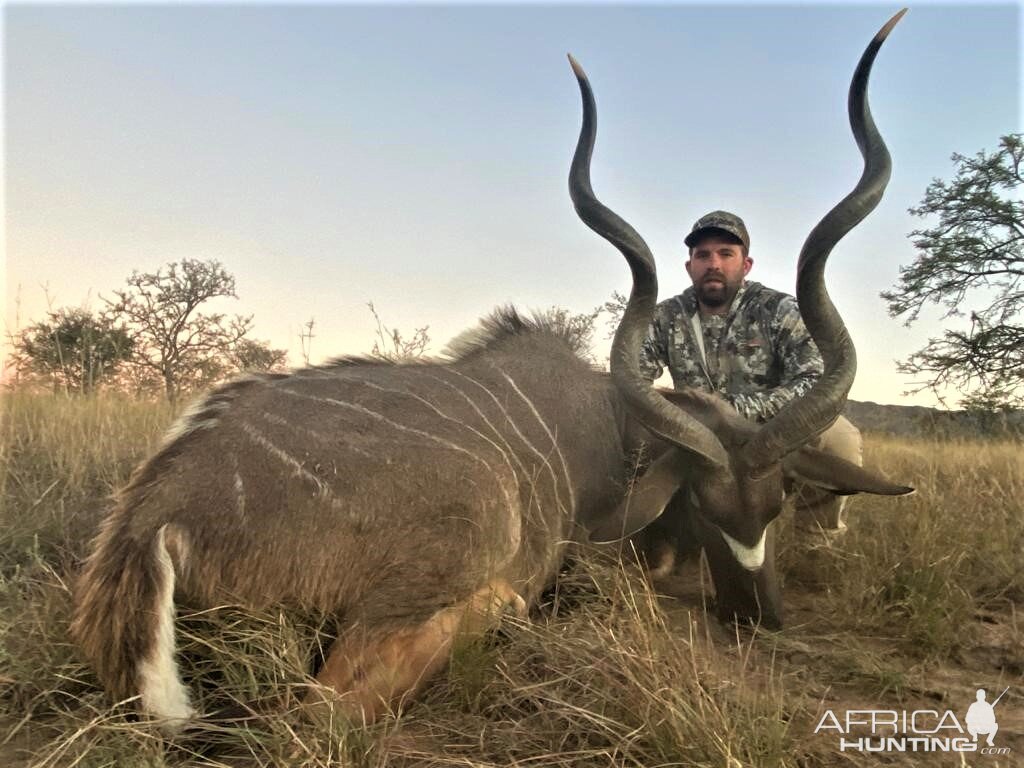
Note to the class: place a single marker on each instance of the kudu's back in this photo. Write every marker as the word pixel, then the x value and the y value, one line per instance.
pixel 379 493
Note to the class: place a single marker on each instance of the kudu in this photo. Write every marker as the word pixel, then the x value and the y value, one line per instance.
pixel 415 502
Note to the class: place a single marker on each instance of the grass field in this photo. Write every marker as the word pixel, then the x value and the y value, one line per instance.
pixel 916 608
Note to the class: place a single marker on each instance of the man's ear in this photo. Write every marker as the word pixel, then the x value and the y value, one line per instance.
pixel 687 265
pixel 747 264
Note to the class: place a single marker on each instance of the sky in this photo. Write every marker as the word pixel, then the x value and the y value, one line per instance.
pixel 415 156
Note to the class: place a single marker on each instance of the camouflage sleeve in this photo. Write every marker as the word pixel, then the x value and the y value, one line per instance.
pixel 800 363
pixel 654 351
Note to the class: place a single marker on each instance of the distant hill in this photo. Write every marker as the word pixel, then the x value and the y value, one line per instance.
pixel 919 421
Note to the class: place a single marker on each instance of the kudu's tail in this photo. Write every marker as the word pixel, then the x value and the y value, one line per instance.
pixel 123 620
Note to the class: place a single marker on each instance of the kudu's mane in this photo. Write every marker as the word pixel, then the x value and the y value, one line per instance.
pixel 493 331
pixel 504 324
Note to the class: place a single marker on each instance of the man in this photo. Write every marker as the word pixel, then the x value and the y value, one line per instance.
pixel 748 344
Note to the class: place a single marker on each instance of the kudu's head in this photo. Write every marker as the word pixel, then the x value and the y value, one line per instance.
pixel 735 469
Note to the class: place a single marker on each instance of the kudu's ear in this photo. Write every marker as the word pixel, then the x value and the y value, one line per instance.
pixel 647 499
pixel 842 477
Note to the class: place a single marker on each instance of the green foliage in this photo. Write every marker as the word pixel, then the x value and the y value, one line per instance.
pixel 973 254
pixel 73 350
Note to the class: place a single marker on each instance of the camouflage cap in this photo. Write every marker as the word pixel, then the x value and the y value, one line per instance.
pixel 720 220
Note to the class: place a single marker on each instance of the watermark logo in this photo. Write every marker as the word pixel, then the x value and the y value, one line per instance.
pixel 919 730
pixel 981 717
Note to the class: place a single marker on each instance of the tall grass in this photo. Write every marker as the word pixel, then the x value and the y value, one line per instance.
pixel 927 564
pixel 60 460
pixel 605 672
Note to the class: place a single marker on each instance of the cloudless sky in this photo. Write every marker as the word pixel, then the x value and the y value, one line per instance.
pixel 416 155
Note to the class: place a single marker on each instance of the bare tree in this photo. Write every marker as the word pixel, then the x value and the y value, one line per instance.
pixel 306 337
pixel 391 345
pixel 183 346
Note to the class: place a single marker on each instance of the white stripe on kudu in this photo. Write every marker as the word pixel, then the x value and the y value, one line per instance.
pixel 295 464
pixel 333 440
pixel 446 417
pixel 521 436
pixel 403 428
pixel 554 441
pixel 483 417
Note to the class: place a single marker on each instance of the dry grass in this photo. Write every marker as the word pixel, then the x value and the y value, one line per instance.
pixel 918 604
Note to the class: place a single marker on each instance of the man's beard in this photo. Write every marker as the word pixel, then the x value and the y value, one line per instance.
pixel 716 295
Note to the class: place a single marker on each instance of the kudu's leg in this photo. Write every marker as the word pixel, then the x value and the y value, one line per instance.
pixel 371 675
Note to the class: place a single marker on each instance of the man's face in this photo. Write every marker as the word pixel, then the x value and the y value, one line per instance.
pixel 717 267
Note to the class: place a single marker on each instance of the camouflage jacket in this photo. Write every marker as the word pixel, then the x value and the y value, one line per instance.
pixel 759 356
